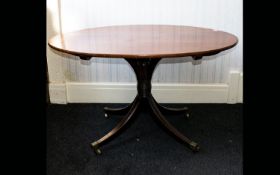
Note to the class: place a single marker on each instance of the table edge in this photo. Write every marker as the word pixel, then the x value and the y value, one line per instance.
pixel 155 56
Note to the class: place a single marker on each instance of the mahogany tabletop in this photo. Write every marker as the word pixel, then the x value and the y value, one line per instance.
pixel 143 41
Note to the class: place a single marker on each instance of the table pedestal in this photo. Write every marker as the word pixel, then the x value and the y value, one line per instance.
pixel 144 69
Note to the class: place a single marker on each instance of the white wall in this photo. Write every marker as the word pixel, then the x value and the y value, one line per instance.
pixel 69 15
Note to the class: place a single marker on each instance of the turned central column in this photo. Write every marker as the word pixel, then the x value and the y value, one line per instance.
pixel 143 69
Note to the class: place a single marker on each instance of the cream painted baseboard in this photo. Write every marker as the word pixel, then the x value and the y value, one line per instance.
pixel 77 92
pixel 57 93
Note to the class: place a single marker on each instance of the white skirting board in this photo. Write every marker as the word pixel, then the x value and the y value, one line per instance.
pixel 81 92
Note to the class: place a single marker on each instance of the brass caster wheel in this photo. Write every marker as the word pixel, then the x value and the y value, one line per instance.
pixel 97 151
pixel 194 147
pixel 188 115
pixel 96 148
pixel 106 115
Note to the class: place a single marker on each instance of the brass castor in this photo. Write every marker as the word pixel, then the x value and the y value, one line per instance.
pixel 106 115
pixel 188 115
pixel 96 148
pixel 194 147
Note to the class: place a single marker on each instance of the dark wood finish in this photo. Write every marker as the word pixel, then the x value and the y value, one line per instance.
pixel 118 127
pixel 143 41
pixel 123 110
pixel 171 110
pixel 144 69
pixel 143 46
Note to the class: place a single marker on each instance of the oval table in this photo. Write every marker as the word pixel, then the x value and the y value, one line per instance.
pixel 143 46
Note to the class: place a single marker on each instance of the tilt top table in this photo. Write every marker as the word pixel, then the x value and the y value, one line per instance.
pixel 143 46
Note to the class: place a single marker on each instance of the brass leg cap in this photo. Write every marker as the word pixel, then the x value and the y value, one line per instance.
pixel 194 146
pixel 96 148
